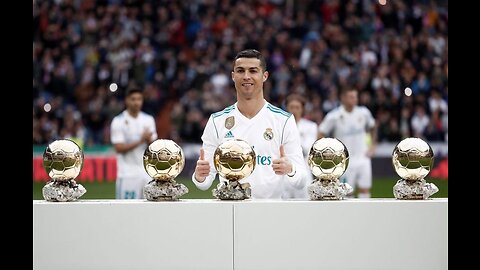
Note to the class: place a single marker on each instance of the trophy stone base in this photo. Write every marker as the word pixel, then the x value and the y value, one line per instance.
pixel 413 190
pixel 169 190
pixel 328 190
pixel 62 191
pixel 232 190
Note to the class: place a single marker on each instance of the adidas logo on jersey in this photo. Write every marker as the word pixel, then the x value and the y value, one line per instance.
pixel 229 135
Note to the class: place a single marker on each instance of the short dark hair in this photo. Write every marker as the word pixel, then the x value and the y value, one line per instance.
pixel 298 97
pixel 133 89
pixel 347 89
pixel 252 53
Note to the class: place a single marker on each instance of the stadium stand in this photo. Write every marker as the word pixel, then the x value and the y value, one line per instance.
pixel 181 51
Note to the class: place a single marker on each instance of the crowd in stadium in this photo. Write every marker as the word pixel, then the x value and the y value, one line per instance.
pixel 181 53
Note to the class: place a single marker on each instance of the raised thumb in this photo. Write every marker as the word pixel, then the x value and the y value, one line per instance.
pixel 202 154
pixel 282 151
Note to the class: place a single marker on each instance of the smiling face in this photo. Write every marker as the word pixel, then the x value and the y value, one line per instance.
pixel 249 76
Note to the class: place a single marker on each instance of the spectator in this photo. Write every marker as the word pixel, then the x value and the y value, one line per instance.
pixel 419 122
pixel 81 46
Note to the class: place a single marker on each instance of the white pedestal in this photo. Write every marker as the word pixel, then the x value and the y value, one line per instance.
pixel 371 234
pixel 339 235
pixel 132 234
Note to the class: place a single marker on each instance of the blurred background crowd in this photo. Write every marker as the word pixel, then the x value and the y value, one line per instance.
pixel 181 53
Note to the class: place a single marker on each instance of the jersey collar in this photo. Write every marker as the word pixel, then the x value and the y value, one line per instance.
pixel 239 114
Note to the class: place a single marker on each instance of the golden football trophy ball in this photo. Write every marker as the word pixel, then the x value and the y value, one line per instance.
pixel 163 160
pixel 234 160
pixel 328 160
pixel 412 159
pixel 63 161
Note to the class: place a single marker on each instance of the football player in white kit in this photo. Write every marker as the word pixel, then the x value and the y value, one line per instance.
pixel 271 132
pixel 350 123
pixel 308 135
pixel 131 132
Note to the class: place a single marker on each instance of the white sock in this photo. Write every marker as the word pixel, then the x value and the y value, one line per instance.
pixel 364 195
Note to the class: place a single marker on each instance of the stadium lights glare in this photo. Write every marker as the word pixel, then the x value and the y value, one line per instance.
pixel 113 87
pixel 47 107
pixel 408 91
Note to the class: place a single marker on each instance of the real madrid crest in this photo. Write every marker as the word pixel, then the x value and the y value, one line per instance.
pixel 268 134
pixel 229 122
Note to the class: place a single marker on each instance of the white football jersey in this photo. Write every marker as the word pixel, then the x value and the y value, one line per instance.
pixel 126 129
pixel 308 135
pixel 350 128
pixel 265 132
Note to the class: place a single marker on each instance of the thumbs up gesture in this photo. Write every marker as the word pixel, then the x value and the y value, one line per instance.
pixel 203 167
pixel 282 165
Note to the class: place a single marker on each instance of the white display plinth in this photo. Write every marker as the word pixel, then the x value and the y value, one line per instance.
pixel 383 234
pixel 253 234
pixel 132 234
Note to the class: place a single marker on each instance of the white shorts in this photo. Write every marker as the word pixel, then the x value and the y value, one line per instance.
pixel 130 187
pixel 359 173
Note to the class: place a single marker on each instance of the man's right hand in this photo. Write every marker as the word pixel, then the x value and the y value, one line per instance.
pixel 203 167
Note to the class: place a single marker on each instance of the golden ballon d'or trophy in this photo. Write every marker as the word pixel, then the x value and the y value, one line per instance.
pixel 412 159
pixel 63 161
pixel 164 160
pixel 234 160
pixel 328 160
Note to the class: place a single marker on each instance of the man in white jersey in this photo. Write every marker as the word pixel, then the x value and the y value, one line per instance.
pixel 271 131
pixel 131 132
pixel 308 135
pixel 350 123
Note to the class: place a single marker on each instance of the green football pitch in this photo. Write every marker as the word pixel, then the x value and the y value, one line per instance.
pixel 381 188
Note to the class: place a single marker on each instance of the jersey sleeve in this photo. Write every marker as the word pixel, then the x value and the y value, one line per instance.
pixel 326 127
pixel 210 143
pixel 293 149
pixel 370 119
pixel 116 134
pixel 310 136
